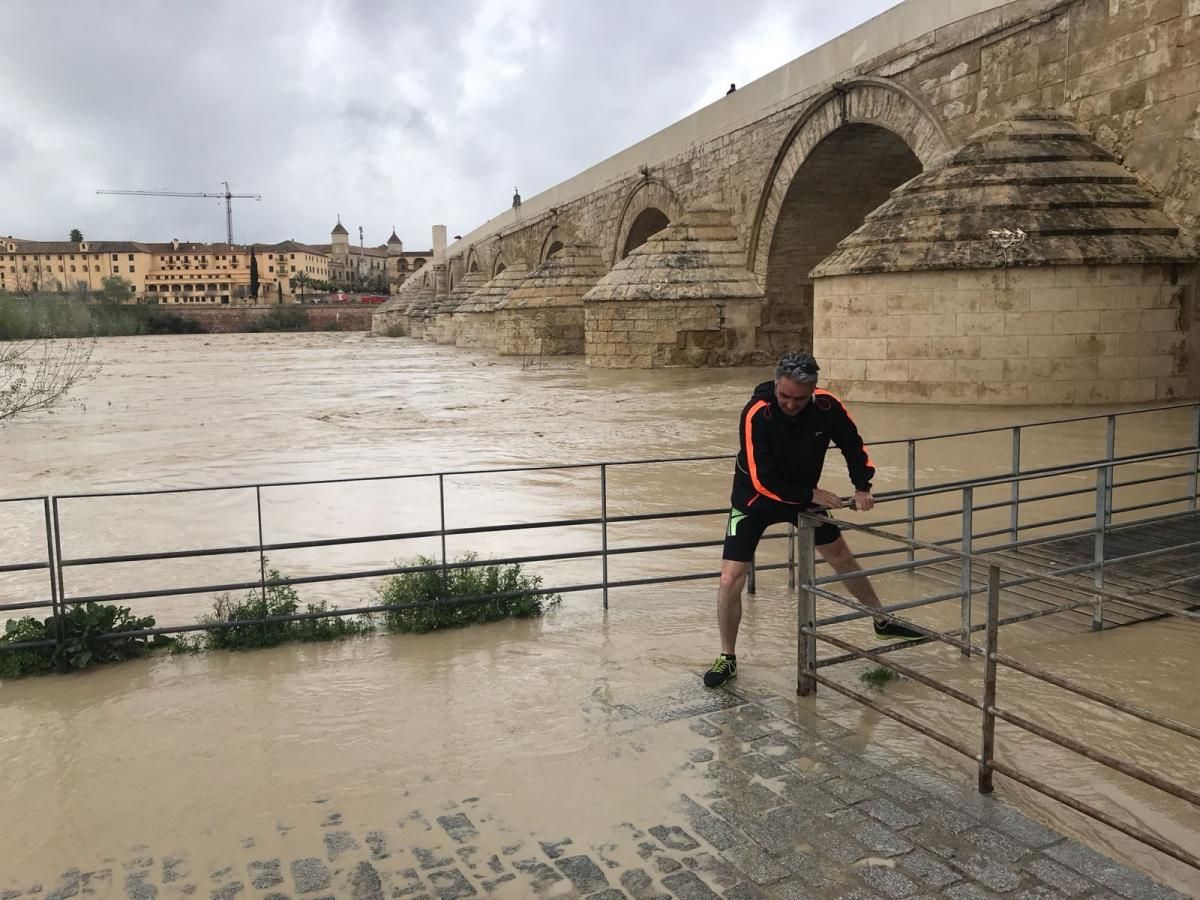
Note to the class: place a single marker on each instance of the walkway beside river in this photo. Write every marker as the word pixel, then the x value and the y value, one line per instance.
pixel 779 803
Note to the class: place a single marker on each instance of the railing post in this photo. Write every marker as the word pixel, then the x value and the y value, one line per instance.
pixel 1103 481
pixel 1110 453
pixel 262 556
pixel 968 533
pixel 1195 479
pixel 791 556
pixel 604 532
pixel 987 743
pixel 442 519
pixel 52 560
pixel 1014 513
pixel 751 580
pixel 912 501
pixel 60 626
pixel 806 611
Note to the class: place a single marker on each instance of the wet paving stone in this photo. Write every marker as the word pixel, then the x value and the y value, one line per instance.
pixel 309 875
pixel 687 886
pixel 430 859
pixel 889 813
pixel 716 831
pixel 541 876
pixel 459 827
pixel 995 875
pixel 377 841
pixel 674 838
pixel 227 891
pixel 887 881
pixel 265 874
pixel 584 874
pixel 451 884
pixel 1069 883
pixel 928 869
pixel 554 849
pixel 881 840
pixel 339 842
pixel 365 883
pixel 610 894
pixel 639 885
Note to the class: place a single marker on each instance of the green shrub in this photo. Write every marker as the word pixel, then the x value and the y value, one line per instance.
pixel 280 600
pixel 395 330
pixel 85 630
pixel 459 596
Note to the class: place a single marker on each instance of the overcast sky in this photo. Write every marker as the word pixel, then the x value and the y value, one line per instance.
pixel 388 112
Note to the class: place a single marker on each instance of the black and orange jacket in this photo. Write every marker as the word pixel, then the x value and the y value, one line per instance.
pixel 781 457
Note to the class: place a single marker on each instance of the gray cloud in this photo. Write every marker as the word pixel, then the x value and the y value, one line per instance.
pixel 387 112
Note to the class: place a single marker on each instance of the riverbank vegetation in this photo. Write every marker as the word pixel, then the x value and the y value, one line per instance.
pixel 64 316
pixel 467 592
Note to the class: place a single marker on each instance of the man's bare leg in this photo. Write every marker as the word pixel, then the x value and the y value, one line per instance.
pixel 729 602
pixel 841 558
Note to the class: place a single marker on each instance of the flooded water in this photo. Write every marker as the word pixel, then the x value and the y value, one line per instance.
pixel 204 752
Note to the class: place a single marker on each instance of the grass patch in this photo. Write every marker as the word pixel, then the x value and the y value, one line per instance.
pixel 281 318
pixel 877 677
pixel 87 640
pixel 463 594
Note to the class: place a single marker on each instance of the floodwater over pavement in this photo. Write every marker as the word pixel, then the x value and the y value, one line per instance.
pixel 523 728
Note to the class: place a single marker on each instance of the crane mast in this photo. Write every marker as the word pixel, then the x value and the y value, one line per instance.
pixel 228 196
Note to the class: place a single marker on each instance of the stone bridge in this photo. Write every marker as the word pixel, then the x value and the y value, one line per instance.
pixel 957 201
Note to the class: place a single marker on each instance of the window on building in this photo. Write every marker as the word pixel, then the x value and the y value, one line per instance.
pixel 270 268
pixel 72 267
pixel 131 257
pixel 131 268
pixel 293 268
pixel 115 257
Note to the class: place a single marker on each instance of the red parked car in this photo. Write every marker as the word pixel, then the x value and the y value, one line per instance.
pixel 374 298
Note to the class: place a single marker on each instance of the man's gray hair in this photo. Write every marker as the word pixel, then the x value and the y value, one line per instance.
pixel 798 366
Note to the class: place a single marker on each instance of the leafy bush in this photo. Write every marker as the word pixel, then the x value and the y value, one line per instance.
pixel 461 595
pixel 86 631
pixel 58 315
pixel 280 600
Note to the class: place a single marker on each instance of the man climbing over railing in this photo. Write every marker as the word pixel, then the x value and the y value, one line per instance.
pixel 785 430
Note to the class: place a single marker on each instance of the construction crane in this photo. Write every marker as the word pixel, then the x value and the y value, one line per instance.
pixel 227 195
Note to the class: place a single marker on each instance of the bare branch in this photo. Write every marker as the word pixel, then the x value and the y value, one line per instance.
pixel 38 374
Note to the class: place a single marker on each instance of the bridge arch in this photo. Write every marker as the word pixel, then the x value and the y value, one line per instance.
pixel 648 208
pixel 850 148
pixel 552 243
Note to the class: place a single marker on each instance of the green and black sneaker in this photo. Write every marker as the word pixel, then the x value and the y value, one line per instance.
pixel 892 630
pixel 722 670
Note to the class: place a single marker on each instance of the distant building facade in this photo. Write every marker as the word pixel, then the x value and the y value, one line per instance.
pixel 217 274
pixel 370 268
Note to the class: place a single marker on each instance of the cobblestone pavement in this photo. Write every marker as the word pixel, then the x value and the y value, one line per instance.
pixel 789 806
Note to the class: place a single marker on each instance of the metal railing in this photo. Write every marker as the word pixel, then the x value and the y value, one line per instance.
pixel 1077 587
pixel 58 563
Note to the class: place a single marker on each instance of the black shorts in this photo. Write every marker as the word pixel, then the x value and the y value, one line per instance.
pixel 743 530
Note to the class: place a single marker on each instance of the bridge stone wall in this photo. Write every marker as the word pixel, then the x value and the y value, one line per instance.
pixel 1128 71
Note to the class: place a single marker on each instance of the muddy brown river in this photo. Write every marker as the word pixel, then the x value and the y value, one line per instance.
pixel 200 752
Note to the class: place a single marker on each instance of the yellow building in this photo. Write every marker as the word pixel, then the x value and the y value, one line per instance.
pixel 71 266
pixel 185 272
pixel 288 269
